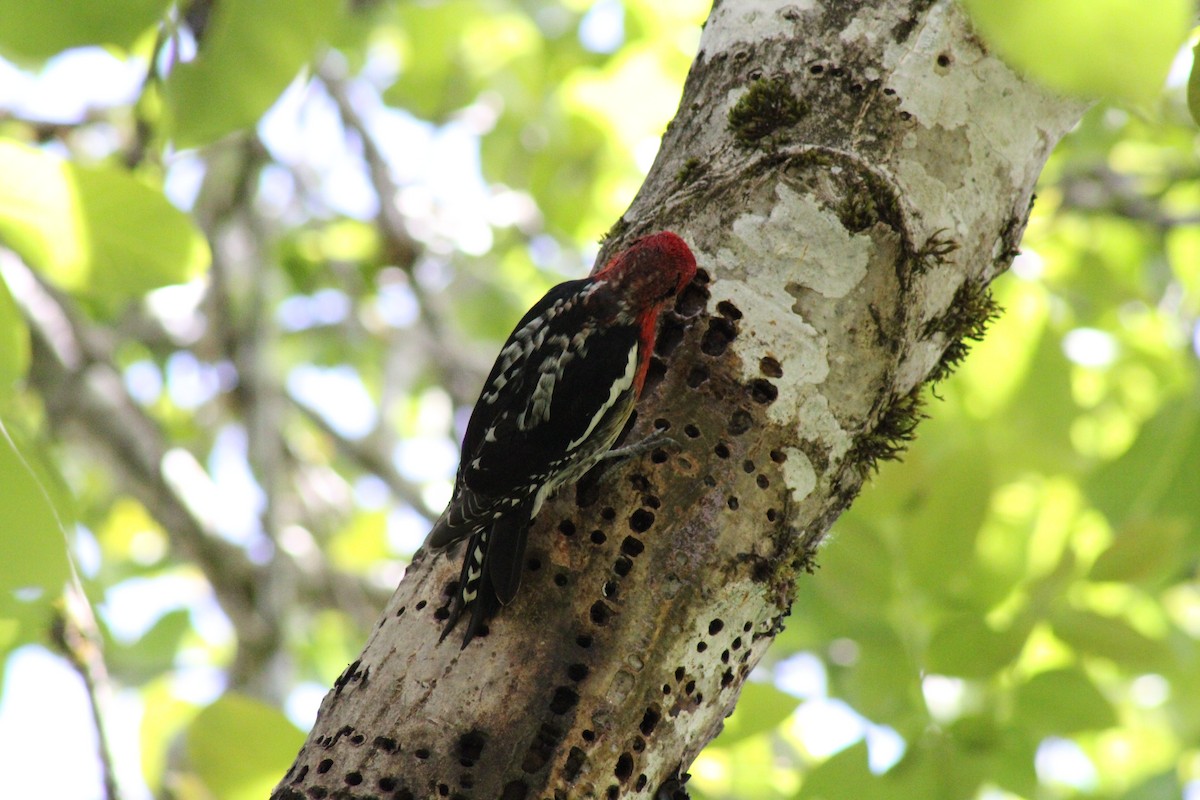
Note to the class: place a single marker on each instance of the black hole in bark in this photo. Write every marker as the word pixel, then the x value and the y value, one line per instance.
pixel 770 367
pixel 515 790
pixel 622 566
pixel 641 520
pixel 400 611
pixel 944 60
pixel 470 746
pixel 357 738
pixel 577 672
pixel 641 782
pixel 689 687
pixel 632 546
pixel 740 422
pixel 387 784
pixel 728 309
pixel 670 334
pixel 560 580
pixel 816 69
pixel 733 503
pixel 325 765
pixel 679 673
pixel 747 466
pixel 692 300
pixel 385 743
pixel 702 277
pixel 421 753
pixel 609 589
pixel 649 720
pixel 726 678
pixel 576 758
pixel 749 626
pixel 443 790
pixel 613 793
pixel 763 481
pixel 442 613
pixel 718 336
pixel 666 688
pixel 588 735
pixel 655 373
pixel 778 456
pixel 353 778
pixel 598 537
pixel 566 528
pixel 736 643
pixel 701 647
pixel 624 767
pixel 771 514
pixel 763 391
pixel 725 656
pixel 691 431
pixel 600 613
pixel 608 513
pixel 421 605
pixel 710 481
pixel 662 424
pixel 715 626
pixel 317 792
pixel 584 641
pixel 564 699
pixel 696 376
pixel 658 457
pixel 722 450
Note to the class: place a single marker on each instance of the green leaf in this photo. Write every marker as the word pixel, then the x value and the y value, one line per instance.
pixel 1141 552
pixel 1062 702
pixel 1193 87
pixel 152 654
pixel 1111 48
pixel 761 707
pixel 95 231
pixel 38 30
pixel 1156 477
pixel 844 775
pixel 33 553
pixel 240 746
pixel 966 646
pixel 1108 637
pixel 14 344
pixel 252 50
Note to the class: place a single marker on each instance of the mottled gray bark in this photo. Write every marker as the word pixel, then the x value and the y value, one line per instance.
pixel 850 176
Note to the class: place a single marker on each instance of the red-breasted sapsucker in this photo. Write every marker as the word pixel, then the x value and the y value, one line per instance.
pixel 558 396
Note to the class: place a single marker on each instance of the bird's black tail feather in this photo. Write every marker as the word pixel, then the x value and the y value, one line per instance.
pixel 491 571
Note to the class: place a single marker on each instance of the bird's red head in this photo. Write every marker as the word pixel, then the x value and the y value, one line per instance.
pixel 651 271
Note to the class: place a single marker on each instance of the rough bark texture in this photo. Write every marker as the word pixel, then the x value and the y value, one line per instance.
pixel 850 176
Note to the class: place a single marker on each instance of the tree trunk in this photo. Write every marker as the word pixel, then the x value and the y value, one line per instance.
pixel 850 177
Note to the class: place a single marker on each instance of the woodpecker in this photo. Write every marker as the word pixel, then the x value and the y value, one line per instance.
pixel 558 396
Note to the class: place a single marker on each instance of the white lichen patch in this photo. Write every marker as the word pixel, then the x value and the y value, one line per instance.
pixel 771 330
pixel 800 242
pixel 798 474
pixel 748 21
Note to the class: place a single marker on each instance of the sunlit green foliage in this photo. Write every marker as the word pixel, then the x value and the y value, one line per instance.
pixel 1012 611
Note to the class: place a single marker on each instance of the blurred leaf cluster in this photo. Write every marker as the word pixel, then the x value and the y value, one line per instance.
pixel 254 270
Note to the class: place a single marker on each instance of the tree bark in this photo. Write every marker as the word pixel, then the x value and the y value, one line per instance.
pixel 850 175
